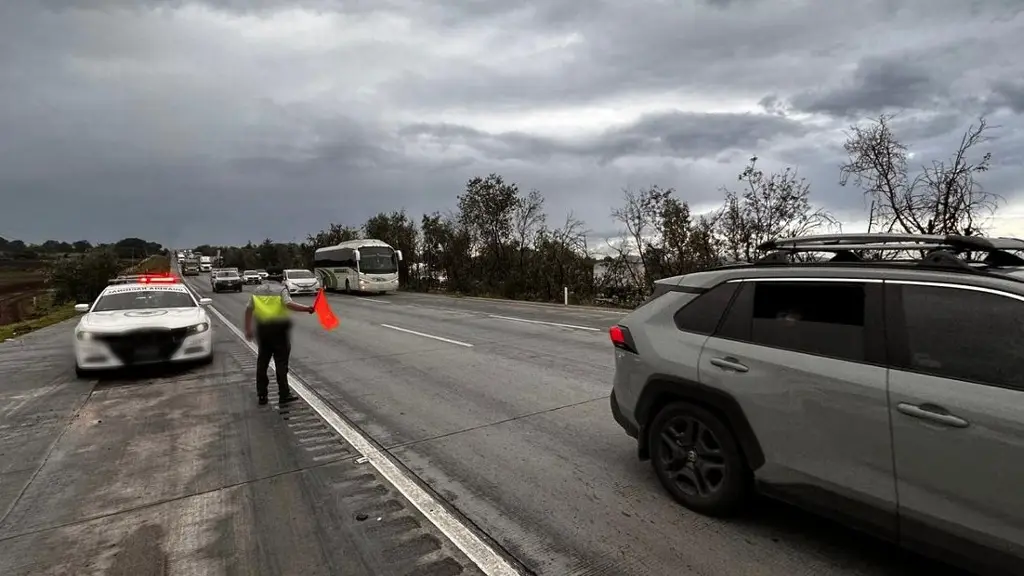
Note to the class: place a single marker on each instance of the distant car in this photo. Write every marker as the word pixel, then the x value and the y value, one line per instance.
pixel 263 273
pixel 153 320
pixel 251 277
pixel 226 280
pixel 299 281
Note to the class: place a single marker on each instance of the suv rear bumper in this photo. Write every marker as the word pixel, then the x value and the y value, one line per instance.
pixel 628 426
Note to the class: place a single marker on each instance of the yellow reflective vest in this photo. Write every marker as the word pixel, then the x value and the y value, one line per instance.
pixel 268 308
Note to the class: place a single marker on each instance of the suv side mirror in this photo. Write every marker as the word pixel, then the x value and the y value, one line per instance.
pixel 399 254
pixel 82 308
pixel 205 301
pixel 356 254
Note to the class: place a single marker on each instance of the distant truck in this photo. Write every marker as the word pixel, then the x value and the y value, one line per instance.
pixel 190 266
pixel 205 263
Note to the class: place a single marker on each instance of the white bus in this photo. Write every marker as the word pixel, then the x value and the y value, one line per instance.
pixel 358 266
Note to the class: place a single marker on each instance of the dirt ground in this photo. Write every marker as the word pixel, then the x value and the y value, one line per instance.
pixel 18 290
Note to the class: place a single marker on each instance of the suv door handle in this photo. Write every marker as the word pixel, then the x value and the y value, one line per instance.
pixel 932 412
pixel 729 363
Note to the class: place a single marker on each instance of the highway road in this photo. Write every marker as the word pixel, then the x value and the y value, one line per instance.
pixel 502 409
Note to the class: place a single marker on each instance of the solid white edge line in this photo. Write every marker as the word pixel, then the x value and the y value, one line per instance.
pixel 510 318
pixel 549 306
pixel 479 552
pixel 448 340
pixel 376 300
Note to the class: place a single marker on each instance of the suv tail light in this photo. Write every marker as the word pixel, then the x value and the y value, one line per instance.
pixel 622 339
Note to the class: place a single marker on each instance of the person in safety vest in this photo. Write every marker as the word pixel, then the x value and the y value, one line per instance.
pixel 269 306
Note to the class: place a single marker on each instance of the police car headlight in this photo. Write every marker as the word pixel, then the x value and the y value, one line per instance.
pixel 198 328
pixel 83 335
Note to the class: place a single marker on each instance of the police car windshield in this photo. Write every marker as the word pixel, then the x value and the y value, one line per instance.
pixel 299 274
pixel 144 300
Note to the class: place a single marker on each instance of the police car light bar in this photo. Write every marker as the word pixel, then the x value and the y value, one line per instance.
pixel 158 279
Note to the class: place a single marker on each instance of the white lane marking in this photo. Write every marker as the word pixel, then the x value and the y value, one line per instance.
pixel 573 326
pixel 375 300
pixel 479 552
pixel 549 306
pixel 448 340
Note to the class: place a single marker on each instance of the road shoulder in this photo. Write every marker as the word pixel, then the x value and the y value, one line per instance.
pixel 181 472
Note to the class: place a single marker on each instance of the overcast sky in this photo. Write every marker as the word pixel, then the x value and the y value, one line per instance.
pixel 222 121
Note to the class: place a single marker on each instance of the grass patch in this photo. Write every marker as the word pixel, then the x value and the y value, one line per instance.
pixel 51 316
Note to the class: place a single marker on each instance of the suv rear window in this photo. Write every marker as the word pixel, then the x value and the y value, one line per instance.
pixel 824 318
pixel 702 314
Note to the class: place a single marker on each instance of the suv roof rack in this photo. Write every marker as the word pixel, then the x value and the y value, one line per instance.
pixel 941 251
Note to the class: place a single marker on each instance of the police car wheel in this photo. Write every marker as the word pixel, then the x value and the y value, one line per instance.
pixel 80 373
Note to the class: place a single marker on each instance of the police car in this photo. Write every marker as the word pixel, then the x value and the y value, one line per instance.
pixel 142 320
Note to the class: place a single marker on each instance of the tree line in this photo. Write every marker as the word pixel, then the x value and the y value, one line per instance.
pixel 499 240
pixel 77 271
pixel 126 248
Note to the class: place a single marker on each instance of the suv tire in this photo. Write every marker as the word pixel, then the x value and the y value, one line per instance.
pixel 713 477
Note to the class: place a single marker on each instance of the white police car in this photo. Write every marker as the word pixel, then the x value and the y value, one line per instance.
pixel 142 320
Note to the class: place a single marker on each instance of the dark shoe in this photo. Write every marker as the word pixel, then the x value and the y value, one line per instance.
pixel 263 400
pixel 287 399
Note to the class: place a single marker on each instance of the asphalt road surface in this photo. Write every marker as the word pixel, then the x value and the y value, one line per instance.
pixel 502 409
pixel 180 472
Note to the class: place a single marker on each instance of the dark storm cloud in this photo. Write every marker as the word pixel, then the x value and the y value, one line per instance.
pixel 1007 93
pixel 127 113
pixel 617 49
pixel 877 84
pixel 674 134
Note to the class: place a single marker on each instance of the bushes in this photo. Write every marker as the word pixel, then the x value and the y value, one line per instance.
pixel 82 279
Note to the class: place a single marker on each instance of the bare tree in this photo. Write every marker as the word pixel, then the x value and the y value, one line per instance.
pixel 528 219
pixel 642 216
pixel 772 206
pixel 943 198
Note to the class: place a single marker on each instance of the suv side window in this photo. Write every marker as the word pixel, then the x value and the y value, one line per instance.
pixel 959 333
pixel 702 314
pixel 822 318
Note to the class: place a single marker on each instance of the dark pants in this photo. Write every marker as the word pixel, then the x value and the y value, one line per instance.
pixel 274 341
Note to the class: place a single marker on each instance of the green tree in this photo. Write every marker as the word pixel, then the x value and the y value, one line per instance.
pixel 446 253
pixel 398 230
pixel 487 211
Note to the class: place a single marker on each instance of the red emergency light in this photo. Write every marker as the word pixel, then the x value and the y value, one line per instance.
pixel 158 279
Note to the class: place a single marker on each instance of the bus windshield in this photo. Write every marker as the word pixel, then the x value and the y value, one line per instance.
pixel 377 260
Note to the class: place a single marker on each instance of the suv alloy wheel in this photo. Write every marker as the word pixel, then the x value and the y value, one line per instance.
pixel 697 459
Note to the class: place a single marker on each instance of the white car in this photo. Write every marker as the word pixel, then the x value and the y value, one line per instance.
pixel 300 282
pixel 155 320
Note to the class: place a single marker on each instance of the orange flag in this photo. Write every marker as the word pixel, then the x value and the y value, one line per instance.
pixel 323 311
